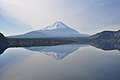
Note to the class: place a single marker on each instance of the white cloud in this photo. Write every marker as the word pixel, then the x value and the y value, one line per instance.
pixel 33 12
pixel 41 13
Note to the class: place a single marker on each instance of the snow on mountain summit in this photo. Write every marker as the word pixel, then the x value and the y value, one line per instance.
pixel 59 29
pixel 56 25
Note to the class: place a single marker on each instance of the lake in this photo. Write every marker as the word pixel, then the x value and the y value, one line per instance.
pixel 61 62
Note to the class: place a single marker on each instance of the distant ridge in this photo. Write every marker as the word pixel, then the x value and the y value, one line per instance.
pixel 58 29
pixel 106 35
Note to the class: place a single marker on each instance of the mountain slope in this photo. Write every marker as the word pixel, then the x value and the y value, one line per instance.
pixel 106 35
pixel 3 43
pixel 33 34
pixel 58 29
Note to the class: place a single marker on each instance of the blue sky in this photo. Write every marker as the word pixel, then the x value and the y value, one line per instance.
pixel 11 26
pixel 86 16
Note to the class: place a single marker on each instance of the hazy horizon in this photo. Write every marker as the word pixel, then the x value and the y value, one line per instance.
pixel 85 16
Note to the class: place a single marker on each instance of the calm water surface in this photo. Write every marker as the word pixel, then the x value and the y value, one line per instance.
pixel 63 62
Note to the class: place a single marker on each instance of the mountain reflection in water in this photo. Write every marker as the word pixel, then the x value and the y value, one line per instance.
pixel 58 52
pixel 61 51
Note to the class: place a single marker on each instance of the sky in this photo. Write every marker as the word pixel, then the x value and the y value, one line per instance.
pixel 85 16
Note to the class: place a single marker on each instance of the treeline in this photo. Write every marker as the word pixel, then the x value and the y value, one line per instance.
pixel 28 42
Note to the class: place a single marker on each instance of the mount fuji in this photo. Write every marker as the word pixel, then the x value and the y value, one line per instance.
pixel 58 29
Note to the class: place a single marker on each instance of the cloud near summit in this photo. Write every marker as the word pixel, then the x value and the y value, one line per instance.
pixel 83 15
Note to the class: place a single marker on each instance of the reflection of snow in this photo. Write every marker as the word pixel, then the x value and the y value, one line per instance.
pixel 58 52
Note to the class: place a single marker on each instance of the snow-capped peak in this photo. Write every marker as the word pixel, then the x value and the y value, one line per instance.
pixel 58 29
pixel 56 25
